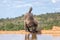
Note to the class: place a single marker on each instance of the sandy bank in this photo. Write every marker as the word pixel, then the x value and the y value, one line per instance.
pixel 55 32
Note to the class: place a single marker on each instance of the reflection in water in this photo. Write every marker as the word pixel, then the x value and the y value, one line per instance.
pixel 33 36
pixel 28 37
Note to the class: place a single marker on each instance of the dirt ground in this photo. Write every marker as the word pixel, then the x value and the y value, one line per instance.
pixel 55 32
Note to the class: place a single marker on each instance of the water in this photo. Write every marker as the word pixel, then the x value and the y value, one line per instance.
pixel 28 37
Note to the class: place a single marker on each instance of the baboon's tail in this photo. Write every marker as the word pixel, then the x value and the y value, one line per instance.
pixel 30 9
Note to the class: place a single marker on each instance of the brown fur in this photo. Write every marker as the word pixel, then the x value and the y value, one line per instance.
pixel 30 22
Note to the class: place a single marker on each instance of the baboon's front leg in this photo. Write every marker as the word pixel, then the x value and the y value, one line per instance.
pixel 35 29
pixel 28 29
pixel 25 26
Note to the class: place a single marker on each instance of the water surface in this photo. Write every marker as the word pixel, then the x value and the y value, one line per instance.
pixel 28 37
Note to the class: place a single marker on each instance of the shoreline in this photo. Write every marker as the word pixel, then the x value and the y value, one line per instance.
pixel 55 31
pixel 49 32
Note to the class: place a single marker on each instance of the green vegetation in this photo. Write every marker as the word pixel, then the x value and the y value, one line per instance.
pixel 46 21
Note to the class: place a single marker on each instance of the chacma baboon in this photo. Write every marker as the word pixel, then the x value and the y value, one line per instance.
pixel 30 22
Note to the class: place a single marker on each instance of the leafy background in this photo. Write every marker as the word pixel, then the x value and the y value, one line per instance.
pixel 46 22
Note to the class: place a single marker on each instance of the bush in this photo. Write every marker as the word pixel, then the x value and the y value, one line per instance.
pixel 12 27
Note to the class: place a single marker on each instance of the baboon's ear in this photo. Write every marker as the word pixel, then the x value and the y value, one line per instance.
pixel 30 9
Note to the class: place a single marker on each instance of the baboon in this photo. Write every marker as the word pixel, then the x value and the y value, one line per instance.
pixel 30 22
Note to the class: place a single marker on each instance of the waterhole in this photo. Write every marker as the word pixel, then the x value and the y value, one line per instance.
pixel 28 37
